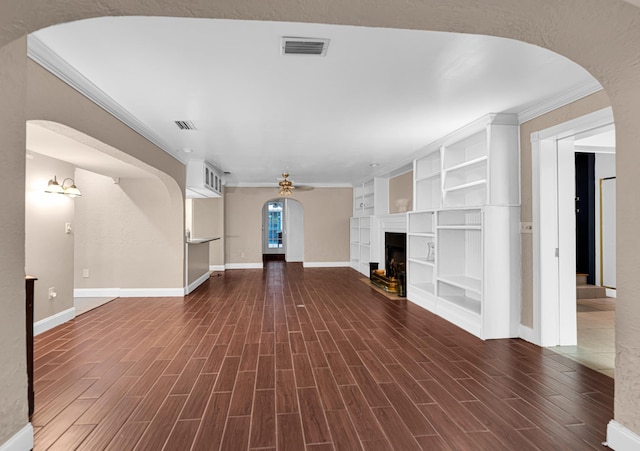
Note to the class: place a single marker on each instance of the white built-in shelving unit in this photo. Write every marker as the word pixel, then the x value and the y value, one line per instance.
pixel 371 197
pixel 463 235
pixel 363 237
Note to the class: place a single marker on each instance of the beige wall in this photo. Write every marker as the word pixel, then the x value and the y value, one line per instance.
pixel 207 221
pixel 126 233
pixel 198 261
pixel 603 37
pixel 576 109
pixel 48 249
pixel 326 223
pixel 13 363
pixel 401 187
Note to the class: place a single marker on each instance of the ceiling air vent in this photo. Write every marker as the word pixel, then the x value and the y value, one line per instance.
pixel 304 46
pixel 185 125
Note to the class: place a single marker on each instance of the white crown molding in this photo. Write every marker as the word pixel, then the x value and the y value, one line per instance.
pixel 21 440
pixel 559 101
pixel 51 61
pixel 54 320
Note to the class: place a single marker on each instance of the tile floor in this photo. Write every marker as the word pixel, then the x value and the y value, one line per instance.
pixel 83 305
pixel 596 337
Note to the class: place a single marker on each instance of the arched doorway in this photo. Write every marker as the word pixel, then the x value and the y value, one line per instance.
pixel 283 230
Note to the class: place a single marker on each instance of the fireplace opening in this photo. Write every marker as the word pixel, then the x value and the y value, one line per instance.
pixel 393 277
pixel 395 254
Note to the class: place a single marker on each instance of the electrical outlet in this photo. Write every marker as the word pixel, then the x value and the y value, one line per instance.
pixel 52 293
pixel 85 273
pixel 67 228
pixel 241 254
pixel 526 227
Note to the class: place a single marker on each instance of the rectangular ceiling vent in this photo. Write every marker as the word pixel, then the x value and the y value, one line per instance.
pixel 304 46
pixel 185 125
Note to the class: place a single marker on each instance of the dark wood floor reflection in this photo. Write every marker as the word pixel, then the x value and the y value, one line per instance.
pixel 293 359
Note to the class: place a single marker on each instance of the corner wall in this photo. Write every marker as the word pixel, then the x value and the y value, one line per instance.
pixel 48 249
pixel 13 361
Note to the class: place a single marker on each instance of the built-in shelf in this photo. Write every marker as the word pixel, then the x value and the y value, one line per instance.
pixel 465 186
pixel 466 209
pixel 461 281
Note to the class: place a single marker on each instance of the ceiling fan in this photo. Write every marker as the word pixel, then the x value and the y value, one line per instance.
pixel 286 186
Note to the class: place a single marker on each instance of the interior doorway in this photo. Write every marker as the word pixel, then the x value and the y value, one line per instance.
pixel 574 196
pixel 283 230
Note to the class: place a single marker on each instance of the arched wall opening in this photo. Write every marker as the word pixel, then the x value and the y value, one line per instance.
pixel 601 36
pixel 124 234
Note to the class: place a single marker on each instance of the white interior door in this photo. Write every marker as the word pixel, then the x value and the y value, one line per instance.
pixel 294 231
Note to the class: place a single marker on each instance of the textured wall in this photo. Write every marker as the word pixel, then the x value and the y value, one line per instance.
pixel 13 365
pixel 576 109
pixel 326 223
pixel 207 222
pixel 48 249
pixel 401 187
pixel 126 233
pixel 602 36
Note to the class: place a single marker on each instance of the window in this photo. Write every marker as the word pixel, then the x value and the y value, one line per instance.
pixel 274 224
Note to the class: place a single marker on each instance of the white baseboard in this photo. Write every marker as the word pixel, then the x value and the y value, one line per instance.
pixel 54 320
pixel 326 264
pixel 21 441
pixel 611 293
pixel 527 334
pixel 127 292
pixel 619 438
pixel 217 268
pixel 196 283
pixel 244 265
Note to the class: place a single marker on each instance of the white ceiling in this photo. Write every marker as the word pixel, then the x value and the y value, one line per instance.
pixel 378 96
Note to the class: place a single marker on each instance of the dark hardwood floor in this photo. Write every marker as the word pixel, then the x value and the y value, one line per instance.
pixel 293 359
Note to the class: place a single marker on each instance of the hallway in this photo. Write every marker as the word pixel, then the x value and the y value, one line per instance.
pixel 292 358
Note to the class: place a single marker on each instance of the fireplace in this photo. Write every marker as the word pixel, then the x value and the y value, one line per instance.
pixel 393 277
pixel 395 254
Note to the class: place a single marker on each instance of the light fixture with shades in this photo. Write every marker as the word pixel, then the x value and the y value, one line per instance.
pixel 56 188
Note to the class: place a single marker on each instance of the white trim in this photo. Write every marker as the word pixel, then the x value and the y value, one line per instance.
pixel 326 264
pixel 51 61
pixel 21 440
pixel 243 265
pixel 597 119
pixel 527 334
pixel 611 293
pixel 550 229
pixel 559 101
pixel 127 292
pixel 96 292
pixel 217 268
pixel 196 283
pixel 54 320
pixel 619 438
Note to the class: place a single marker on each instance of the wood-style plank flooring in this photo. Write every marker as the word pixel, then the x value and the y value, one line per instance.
pixel 302 359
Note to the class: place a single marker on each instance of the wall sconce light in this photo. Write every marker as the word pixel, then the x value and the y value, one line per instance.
pixel 70 190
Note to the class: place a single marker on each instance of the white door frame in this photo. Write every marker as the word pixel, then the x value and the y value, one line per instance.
pixel 553 197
